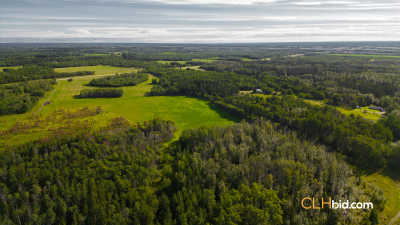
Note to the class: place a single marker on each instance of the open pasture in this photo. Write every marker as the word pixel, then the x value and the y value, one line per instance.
pixel 186 112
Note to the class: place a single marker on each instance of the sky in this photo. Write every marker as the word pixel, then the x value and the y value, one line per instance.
pixel 199 21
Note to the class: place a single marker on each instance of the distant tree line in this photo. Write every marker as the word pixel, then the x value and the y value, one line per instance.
pixel 343 81
pixel 198 83
pixel 27 73
pixel 119 80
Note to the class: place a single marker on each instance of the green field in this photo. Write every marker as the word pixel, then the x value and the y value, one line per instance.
pixel 391 192
pixel 97 54
pixel 9 67
pixel 209 60
pixel 99 70
pixel 244 59
pixel 133 105
pixel 365 112
pixel 169 62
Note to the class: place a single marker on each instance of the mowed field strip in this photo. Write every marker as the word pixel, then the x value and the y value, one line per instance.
pixel 186 112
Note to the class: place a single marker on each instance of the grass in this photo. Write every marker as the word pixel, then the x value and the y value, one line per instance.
pixel 314 102
pixel 209 60
pixel 169 62
pixel 9 67
pixel 186 112
pixel 97 54
pixel 99 70
pixel 364 112
pixel 244 59
pixel 391 192
pixel 192 68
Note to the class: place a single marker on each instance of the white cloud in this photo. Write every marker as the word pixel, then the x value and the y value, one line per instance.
pixel 205 20
pixel 208 2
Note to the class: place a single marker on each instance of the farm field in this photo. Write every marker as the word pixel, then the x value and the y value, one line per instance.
pixel 391 192
pixel 99 70
pixel 165 62
pixel 182 62
pixel 186 112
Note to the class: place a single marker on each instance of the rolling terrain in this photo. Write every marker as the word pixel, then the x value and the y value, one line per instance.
pixel 186 112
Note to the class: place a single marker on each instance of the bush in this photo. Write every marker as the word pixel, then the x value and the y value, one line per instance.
pixel 128 79
pixel 100 93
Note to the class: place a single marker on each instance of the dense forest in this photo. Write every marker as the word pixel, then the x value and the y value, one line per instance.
pixel 119 80
pixel 244 174
pixel 21 97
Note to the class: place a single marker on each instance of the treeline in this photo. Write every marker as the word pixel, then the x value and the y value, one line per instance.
pixel 244 174
pixel 317 64
pixel 119 80
pixel 199 83
pixel 100 93
pixel 27 73
pixel 366 144
pixel 21 97
pixel 343 81
pixel 94 61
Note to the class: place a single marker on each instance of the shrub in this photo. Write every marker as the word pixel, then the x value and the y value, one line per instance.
pixel 100 93
pixel 128 79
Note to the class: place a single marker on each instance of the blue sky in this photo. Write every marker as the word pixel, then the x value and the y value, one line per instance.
pixel 200 21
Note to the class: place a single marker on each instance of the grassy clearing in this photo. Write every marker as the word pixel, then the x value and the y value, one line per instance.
pixel 364 112
pixel 97 54
pixel 9 67
pixel 209 60
pixel 244 59
pixel 165 62
pixel 314 102
pixel 186 112
pixel 391 192
pixel 99 70
pixel 192 68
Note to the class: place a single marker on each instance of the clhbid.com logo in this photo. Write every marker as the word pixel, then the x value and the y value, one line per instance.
pixel 309 203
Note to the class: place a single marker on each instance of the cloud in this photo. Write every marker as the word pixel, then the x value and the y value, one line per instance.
pixel 208 2
pixel 202 20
